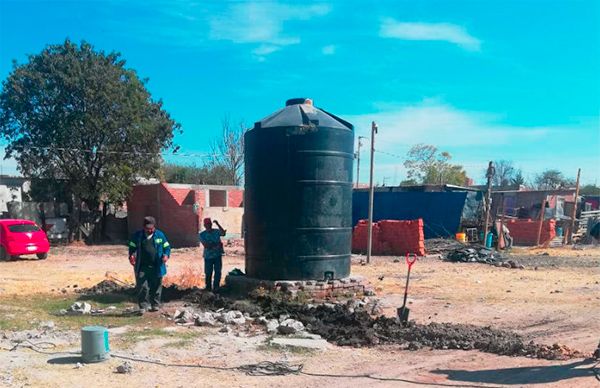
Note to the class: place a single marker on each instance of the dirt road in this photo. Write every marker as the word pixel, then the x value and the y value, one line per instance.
pixel 557 302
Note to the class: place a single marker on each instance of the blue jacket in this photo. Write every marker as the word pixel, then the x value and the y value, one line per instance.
pixel 161 244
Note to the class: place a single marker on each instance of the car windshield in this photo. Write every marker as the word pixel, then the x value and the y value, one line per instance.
pixel 23 228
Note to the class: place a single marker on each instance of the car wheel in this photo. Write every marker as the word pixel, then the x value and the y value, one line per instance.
pixel 42 256
pixel 3 255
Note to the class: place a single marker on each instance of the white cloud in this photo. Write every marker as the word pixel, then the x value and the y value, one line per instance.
pixel 446 32
pixel 265 49
pixel 262 23
pixel 328 50
pixel 473 138
pixel 434 122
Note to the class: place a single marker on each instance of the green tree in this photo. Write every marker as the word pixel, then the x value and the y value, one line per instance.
pixel 426 165
pixel 77 114
pixel 552 179
pixel 191 174
pixel 589 190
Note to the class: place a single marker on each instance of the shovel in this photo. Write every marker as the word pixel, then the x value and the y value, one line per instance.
pixel 403 311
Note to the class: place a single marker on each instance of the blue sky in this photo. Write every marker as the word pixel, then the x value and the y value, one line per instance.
pixel 484 80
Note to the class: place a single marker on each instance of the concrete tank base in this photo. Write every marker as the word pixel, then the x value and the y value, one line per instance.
pixel 352 286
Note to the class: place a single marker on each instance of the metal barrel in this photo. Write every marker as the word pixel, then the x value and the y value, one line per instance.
pixel 94 344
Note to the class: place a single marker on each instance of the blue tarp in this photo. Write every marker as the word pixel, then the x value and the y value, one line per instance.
pixel 441 211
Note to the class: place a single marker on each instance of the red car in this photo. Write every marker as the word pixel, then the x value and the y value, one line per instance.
pixel 22 237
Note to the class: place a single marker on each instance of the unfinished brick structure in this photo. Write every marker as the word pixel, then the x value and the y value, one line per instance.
pixel 525 232
pixel 179 209
pixel 390 237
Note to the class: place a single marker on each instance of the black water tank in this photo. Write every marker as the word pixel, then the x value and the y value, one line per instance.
pixel 298 194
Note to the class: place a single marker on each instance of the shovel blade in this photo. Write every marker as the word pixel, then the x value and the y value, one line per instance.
pixel 403 314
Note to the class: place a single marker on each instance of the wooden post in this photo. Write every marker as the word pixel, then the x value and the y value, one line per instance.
pixel 542 214
pixel 501 232
pixel 574 213
pixel 488 200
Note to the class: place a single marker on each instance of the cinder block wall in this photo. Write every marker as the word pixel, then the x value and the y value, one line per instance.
pixel 524 232
pixel 390 237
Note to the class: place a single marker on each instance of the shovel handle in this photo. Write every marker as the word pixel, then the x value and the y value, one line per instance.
pixel 411 258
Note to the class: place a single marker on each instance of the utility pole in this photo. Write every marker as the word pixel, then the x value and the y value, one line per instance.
pixel 574 213
pixel 371 193
pixel 488 200
pixel 358 161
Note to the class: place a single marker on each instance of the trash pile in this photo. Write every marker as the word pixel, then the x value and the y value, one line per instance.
pixel 476 254
pixel 442 245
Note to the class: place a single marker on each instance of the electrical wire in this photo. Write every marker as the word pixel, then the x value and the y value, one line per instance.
pixel 261 369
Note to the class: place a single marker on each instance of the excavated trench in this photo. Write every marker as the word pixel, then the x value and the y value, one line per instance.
pixel 345 327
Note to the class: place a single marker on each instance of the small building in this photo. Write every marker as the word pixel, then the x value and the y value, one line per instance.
pixel 180 208
pixel 527 203
pixel 445 209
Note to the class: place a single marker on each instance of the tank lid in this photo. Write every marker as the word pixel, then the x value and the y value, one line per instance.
pixel 301 112
pixel 296 101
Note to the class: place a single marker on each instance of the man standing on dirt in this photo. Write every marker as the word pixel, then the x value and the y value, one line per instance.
pixel 149 251
pixel 213 253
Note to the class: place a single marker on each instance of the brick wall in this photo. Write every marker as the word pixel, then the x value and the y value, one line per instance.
pixel 235 198
pixel 390 237
pixel 173 209
pixel 524 232
pixel 179 210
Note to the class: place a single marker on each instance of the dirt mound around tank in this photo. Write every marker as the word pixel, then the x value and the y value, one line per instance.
pixel 105 287
pixel 110 287
pixel 339 325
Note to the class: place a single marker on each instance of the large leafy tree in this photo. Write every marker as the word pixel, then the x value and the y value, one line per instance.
pixel 78 114
pixel 590 190
pixel 552 179
pixel 427 165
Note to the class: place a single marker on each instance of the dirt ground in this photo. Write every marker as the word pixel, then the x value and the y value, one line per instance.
pixel 556 299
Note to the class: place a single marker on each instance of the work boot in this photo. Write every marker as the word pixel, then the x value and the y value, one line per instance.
pixel 596 354
pixel 153 309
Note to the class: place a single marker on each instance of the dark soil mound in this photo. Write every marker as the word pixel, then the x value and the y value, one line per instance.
pixel 342 327
pixel 337 324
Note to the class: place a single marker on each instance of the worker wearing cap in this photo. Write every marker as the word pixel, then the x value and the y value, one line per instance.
pixel 213 253
pixel 149 251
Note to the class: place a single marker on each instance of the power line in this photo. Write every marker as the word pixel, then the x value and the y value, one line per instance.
pixel 95 151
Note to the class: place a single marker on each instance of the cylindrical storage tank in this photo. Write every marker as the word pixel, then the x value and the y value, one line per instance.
pixel 94 344
pixel 298 194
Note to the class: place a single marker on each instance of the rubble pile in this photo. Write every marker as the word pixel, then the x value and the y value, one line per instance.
pixel 209 318
pixel 125 368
